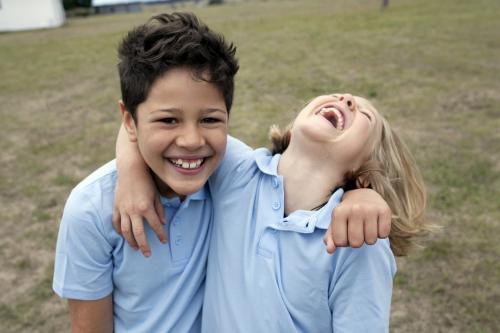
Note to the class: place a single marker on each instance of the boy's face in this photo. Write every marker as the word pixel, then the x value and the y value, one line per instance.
pixel 181 131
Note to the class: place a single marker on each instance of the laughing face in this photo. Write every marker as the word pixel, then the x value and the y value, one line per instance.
pixel 181 131
pixel 340 126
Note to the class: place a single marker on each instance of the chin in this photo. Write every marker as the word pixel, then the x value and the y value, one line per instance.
pixel 187 190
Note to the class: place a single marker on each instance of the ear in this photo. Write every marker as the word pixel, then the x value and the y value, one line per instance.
pixel 128 122
pixel 363 181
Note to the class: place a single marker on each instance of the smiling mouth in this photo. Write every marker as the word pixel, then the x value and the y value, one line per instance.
pixel 334 116
pixel 187 164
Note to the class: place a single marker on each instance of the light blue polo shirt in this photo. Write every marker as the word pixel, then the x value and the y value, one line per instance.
pixel 162 293
pixel 270 273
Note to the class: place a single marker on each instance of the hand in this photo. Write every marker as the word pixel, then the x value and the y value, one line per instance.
pixel 361 217
pixel 139 201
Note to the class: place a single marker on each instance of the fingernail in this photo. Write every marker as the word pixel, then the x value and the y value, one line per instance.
pixel 164 240
pixel 147 254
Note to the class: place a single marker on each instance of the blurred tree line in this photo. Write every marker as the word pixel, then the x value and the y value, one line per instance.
pixel 69 4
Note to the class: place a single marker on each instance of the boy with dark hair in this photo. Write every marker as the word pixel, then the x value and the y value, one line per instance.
pixel 177 79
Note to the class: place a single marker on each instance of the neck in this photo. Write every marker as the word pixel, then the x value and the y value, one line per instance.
pixel 309 178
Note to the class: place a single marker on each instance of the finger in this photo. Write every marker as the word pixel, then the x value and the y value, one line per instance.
pixel 126 227
pixel 140 235
pixel 355 227
pixel 116 220
pixel 156 225
pixel 339 227
pixel 328 240
pixel 384 223
pixel 371 229
pixel 160 211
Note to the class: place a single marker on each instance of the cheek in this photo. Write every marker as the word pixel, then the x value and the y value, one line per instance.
pixel 154 140
pixel 218 139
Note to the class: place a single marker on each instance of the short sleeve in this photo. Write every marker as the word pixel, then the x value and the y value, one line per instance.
pixel 83 264
pixel 361 288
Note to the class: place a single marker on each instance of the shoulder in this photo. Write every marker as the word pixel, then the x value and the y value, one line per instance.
pixel 236 153
pixel 370 259
pixel 102 179
pixel 98 185
pixel 237 166
pixel 91 201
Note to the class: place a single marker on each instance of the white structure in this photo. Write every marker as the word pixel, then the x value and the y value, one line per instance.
pixel 30 14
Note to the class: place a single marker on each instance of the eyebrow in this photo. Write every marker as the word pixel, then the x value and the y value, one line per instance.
pixel 166 110
pixel 175 110
pixel 210 110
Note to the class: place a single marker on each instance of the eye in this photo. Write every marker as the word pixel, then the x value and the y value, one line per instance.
pixel 367 115
pixel 210 120
pixel 168 120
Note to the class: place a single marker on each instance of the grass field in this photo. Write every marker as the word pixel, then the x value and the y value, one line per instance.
pixel 432 67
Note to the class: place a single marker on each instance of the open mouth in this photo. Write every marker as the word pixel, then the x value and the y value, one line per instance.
pixel 334 116
pixel 187 164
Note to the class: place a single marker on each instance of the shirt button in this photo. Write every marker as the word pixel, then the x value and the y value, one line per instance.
pixel 178 241
pixel 275 182
pixel 276 205
pixel 176 222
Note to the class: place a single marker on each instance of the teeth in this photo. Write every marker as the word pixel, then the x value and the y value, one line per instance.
pixel 187 164
pixel 338 116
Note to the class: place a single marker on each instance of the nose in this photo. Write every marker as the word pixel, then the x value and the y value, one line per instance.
pixel 348 100
pixel 191 138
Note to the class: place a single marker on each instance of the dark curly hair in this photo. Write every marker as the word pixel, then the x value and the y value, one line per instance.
pixel 169 41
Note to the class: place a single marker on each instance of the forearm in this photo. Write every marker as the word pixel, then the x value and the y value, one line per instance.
pixel 92 316
pixel 128 156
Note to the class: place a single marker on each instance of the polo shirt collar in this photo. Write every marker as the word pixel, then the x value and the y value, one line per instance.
pixel 306 221
pixel 201 194
pixel 324 215
pixel 266 162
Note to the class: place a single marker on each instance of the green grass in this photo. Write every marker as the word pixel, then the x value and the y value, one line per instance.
pixel 431 67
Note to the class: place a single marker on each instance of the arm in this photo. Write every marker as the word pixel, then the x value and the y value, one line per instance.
pixel 136 197
pixel 91 316
pixel 141 199
pixel 361 288
pixel 362 216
